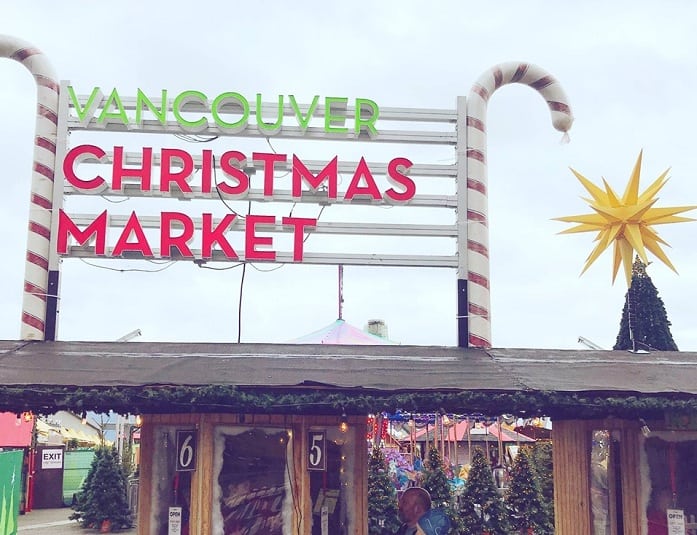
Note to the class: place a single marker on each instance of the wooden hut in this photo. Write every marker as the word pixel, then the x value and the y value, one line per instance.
pixel 240 433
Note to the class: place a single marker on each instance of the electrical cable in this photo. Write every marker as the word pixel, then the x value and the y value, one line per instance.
pixel 115 202
pixel 268 141
pixel 190 138
pixel 169 264
pixel 220 195
pixel 202 265
pixel 267 270
pixel 239 304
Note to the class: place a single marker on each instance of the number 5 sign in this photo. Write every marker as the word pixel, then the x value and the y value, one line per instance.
pixel 317 452
pixel 186 451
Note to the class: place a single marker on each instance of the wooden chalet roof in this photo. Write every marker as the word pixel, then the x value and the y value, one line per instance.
pixel 383 368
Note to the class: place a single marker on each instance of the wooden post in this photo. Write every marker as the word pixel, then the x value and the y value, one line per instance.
pixel 633 511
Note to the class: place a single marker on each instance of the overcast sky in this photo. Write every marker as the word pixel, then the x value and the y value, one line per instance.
pixel 628 68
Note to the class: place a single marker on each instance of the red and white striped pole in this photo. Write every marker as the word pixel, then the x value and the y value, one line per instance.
pixel 473 270
pixel 36 277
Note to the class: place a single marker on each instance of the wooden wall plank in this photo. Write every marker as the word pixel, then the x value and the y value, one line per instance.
pixel 204 480
pixel 147 447
pixel 571 455
pixel 302 515
pixel 360 476
pixel 631 479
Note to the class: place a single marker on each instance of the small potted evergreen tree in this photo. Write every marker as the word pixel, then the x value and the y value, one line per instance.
pixel 102 502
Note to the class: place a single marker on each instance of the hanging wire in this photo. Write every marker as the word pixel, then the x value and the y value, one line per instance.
pixel 257 268
pixel 220 195
pixel 168 265
pixel 239 304
pixel 194 138
pixel 202 265
pixel 268 142
pixel 115 202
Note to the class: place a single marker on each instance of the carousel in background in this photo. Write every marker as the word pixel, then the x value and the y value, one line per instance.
pixel 405 439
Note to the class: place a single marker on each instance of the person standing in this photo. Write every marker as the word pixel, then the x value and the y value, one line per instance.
pixel 413 503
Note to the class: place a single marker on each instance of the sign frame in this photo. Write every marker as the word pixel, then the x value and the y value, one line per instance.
pixel 54 461
pixel 317 450
pixel 187 450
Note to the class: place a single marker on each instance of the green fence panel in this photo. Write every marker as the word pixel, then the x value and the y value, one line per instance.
pixel 76 465
pixel 11 485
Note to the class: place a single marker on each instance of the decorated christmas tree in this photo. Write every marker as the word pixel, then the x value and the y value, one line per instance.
pixel 437 484
pixel 523 499
pixel 644 324
pixel 435 481
pixel 543 467
pixel 103 501
pixel 382 496
pixel 481 506
pixel 81 498
pixel 626 223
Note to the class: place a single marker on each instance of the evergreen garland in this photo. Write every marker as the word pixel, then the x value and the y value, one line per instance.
pixel 523 499
pixel 644 324
pixel 103 496
pixel 227 398
pixel 383 516
pixel 481 506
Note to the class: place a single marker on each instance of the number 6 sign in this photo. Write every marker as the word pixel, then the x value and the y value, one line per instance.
pixel 317 449
pixel 186 451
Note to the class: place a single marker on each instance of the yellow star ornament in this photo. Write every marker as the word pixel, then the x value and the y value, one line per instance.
pixel 626 222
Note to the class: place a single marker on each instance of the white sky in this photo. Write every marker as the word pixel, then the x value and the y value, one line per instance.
pixel 628 68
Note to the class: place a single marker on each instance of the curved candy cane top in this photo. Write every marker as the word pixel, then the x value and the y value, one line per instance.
pixel 479 322
pixel 39 232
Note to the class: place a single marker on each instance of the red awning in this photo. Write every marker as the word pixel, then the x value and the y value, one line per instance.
pixel 15 433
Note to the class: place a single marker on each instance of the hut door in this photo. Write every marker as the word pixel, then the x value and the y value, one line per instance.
pixel 48 477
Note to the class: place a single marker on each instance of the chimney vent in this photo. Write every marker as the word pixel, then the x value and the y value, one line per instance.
pixel 377 327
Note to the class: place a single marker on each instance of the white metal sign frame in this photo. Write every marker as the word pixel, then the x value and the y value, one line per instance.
pixel 60 113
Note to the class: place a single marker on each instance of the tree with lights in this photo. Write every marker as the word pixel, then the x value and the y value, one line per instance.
pixel 626 222
pixel 102 502
pixel 542 466
pixel 437 484
pixel 481 506
pixel 523 499
pixel 435 481
pixel 383 516
pixel 644 323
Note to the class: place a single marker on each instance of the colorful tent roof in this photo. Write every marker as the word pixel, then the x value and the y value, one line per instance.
pixel 15 432
pixel 341 333
pixel 534 432
pixel 458 432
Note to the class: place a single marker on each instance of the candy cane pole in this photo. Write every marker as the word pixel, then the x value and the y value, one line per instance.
pixel 36 275
pixel 473 268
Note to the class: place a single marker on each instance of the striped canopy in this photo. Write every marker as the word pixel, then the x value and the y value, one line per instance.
pixel 458 432
pixel 341 333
